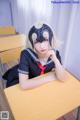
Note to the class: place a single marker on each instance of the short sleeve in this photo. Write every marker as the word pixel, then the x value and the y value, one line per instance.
pixel 24 63
pixel 58 56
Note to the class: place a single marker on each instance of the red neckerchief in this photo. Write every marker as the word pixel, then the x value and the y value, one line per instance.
pixel 42 68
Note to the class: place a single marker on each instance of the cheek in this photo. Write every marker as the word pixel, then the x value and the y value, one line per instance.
pixel 47 45
pixel 36 46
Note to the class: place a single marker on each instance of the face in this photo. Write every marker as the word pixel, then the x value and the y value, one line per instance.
pixel 42 47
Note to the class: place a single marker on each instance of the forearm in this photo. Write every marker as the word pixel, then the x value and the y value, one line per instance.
pixel 37 81
pixel 29 84
pixel 59 70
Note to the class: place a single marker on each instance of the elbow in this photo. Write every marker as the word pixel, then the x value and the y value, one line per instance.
pixel 23 86
pixel 62 77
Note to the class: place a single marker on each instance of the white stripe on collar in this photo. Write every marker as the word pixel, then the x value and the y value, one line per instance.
pixel 31 53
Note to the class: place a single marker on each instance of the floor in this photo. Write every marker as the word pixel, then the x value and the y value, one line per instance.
pixel 69 116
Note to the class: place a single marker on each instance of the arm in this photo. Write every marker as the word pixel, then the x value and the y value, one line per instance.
pixel 26 83
pixel 59 69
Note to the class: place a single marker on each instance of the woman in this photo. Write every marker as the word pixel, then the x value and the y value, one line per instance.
pixel 40 60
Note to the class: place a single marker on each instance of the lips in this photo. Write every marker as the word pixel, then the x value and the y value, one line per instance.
pixel 43 50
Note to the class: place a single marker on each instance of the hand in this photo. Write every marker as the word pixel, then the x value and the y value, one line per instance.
pixel 52 55
pixel 50 76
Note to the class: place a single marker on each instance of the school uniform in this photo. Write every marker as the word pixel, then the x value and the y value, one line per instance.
pixel 30 65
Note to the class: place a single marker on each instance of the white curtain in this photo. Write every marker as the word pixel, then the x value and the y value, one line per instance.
pixel 64 20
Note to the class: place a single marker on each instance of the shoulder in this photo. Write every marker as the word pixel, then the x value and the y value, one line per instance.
pixel 24 55
pixel 26 52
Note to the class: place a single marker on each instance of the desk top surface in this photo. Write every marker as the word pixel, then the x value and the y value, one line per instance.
pixel 47 102
pixel 11 42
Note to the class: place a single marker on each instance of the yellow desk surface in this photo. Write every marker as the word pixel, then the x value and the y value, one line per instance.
pixel 47 102
pixel 11 42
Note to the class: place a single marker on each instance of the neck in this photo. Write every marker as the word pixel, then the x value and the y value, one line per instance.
pixel 43 59
pixel 44 56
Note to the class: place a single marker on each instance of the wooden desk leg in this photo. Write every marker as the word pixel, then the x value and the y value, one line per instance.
pixel 78 114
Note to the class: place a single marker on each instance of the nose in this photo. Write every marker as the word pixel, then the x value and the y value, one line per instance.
pixel 42 45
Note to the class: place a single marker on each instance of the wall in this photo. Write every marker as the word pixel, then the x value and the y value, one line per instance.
pixel 5 13
pixel 72 57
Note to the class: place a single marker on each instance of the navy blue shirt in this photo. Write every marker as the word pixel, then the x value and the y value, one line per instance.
pixel 29 64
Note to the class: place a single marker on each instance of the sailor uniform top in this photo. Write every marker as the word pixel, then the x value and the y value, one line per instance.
pixel 30 65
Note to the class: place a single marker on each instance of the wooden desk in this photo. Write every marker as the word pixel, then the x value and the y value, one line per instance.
pixel 7 30
pixel 11 42
pixel 47 102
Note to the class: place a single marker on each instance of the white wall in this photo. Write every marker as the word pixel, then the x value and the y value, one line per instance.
pixel 72 60
pixel 5 13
